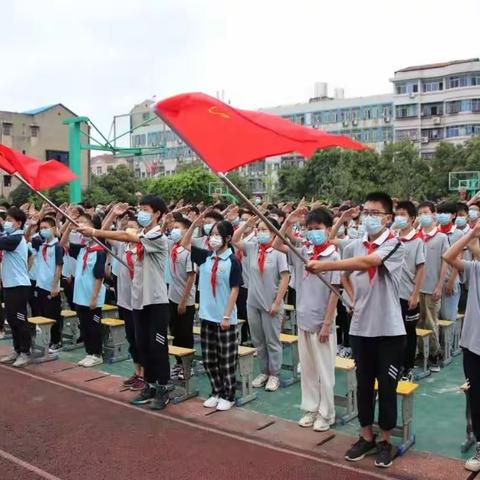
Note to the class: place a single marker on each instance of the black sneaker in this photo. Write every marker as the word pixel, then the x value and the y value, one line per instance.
pixel 385 455
pixel 161 399
pixel 360 449
pixel 147 395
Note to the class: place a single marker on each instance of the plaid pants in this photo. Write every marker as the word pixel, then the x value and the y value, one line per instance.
pixel 219 353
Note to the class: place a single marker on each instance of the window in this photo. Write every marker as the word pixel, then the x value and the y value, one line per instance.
pixel 7 181
pixel 138 140
pixel 432 85
pixel 99 170
pixel 407 134
pixel 432 109
pixel 57 155
pixel 407 87
pixel 7 129
pixel 145 116
pixel 154 139
pixel 407 111
pixel 34 129
pixel 459 81
pixel 433 134
pixel 109 169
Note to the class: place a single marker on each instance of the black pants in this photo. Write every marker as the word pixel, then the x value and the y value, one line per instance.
pixel 291 296
pixel 378 358
pixel 91 329
pixel 33 299
pixel 462 303
pixel 243 313
pixel 51 308
pixel 343 321
pixel 151 330
pixel 410 320
pixel 2 312
pixel 68 284
pixel 127 317
pixel 471 367
pixel 16 299
pixel 181 326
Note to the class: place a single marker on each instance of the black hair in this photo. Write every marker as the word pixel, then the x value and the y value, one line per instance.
pixel 184 221
pixel 194 209
pixel 279 212
pixel 344 208
pixel 462 207
pixel 218 217
pixel 274 222
pixel 50 220
pixel 18 215
pixel 384 198
pixel 408 206
pixel 220 206
pixel 225 229
pixel 447 207
pixel 242 211
pixel 157 203
pixel 429 205
pixel 319 215
pixel 272 206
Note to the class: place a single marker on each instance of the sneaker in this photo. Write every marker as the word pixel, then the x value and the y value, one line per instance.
pixel 346 352
pixel 224 405
pixel 260 381
pixel 272 384
pixel 147 395
pixel 339 349
pixel 434 364
pixel 55 348
pixel 211 402
pixel 181 376
pixel 385 455
pixel 138 385
pixel 9 358
pixel 308 419
pixel 130 381
pixel 473 464
pixel 81 363
pixel 93 360
pixel 161 399
pixel 359 449
pixel 22 360
pixel 321 424
pixel 175 371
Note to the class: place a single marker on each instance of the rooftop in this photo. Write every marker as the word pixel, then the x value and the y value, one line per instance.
pixel 437 65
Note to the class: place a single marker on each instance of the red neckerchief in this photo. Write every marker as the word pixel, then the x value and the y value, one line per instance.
pixel 262 253
pixel 417 235
pixel 45 250
pixel 174 255
pixel 317 250
pixel 213 277
pixel 131 267
pixel 425 237
pixel 371 247
pixel 446 228
pixel 88 251
pixel 140 251
pixel 239 254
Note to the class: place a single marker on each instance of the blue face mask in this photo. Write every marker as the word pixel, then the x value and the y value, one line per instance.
pixel 373 225
pixel 144 218
pixel 443 218
pixel 473 214
pixel 207 228
pixel 460 221
pixel 264 237
pixel 317 237
pixel 236 221
pixel 8 227
pixel 353 233
pixel 401 221
pixel 176 235
pixel 425 220
pixel 45 233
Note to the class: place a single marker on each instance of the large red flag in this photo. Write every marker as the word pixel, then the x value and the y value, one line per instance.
pixel 227 138
pixel 40 175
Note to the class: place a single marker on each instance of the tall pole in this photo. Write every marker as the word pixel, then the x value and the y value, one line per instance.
pixel 75 156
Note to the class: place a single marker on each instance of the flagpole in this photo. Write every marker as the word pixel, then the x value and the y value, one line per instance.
pixel 68 217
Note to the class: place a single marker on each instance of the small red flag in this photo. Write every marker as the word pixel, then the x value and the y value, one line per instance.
pixel 40 175
pixel 227 137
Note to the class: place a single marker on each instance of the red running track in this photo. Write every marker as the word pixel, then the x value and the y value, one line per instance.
pixel 50 432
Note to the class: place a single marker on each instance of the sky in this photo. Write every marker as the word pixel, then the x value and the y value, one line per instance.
pixel 99 58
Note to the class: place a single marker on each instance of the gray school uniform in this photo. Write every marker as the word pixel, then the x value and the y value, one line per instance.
pixel 471 325
pixel 377 311
pixel 179 274
pixel 148 286
pixel 263 288
pixel 312 294
pixel 454 236
pixel 414 256
pixel 435 247
pixel 244 261
pixel 124 281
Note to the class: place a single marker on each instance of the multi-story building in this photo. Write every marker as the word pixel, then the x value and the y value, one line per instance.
pixel 39 133
pixel 104 164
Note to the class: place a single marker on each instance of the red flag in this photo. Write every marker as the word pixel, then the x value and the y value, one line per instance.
pixel 227 138
pixel 40 175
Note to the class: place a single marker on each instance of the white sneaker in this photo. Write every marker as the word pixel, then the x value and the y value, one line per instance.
pixel 211 402
pixel 272 384
pixel 81 363
pixel 320 424
pixel 22 360
pixel 224 405
pixel 260 381
pixel 9 358
pixel 473 464
pixel 308 419
pixel 92 361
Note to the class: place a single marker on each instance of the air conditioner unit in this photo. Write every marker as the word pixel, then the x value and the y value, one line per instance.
pixel 412 95
pixel 386 119
pixel 345 123
pixel 354 122
pixel 425 140
pixel 437 120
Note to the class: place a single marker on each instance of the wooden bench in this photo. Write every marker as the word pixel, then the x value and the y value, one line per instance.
pixel 349 401
pixel 290 313
pixel 110 311
pixel 405 431
pixel 446 336
pixel 245 367
pixel 457 333
pixel 186 356
pixel 290 343
pixel 41 339
pixel 424 336
pixel 71 330
pixel 470 439
pixel 115 346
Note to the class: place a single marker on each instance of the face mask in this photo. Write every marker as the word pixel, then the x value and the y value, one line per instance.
pixel 460 221
pixel 236 221
pixel 263 238
pixel 207 228
pixel 8 227
pixel 443 218
pixel 473 214
pixel 353 233
pixel 317 237
pixel 426 220
pixel 144 218
pixel 258 201
pixel 75 238
pixel 401 221
pixel 176 235
pixel 45 233
pixel 373 225
pixel 341 233
pixel 215 242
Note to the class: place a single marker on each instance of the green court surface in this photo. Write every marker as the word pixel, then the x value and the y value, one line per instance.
pixel 439 412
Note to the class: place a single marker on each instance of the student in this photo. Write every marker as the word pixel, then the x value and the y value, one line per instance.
pixel 220 276
pixel 49 264
pixel 16 286
pixel 470 340
pixel 413 273
pixel 377 333
pixel 316 308
pixel 268 283
pixel 211 218
pixel 473 213
pixel 151 310
pixel 462 224
pixel 89 292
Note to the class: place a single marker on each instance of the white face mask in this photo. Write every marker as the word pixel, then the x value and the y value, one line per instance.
pixel 215 242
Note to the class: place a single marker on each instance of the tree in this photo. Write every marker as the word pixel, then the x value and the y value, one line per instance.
pixel 20 195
